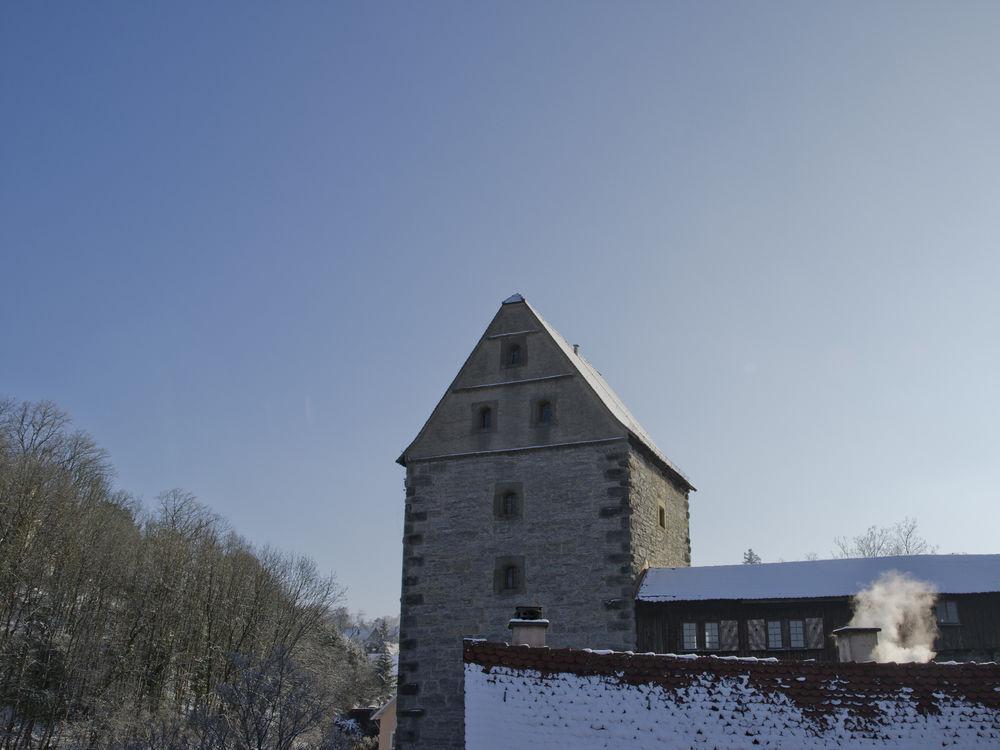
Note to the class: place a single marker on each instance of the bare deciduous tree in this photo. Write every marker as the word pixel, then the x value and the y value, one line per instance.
pixel 120 627
pixel 900 538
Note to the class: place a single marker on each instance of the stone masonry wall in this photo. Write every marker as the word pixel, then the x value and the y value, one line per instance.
pixel 652 545
pixel 572 534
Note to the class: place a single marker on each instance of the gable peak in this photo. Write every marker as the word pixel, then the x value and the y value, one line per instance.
pixel 515 297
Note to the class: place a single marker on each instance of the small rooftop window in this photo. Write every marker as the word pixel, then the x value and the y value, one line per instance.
pixel 486 418
pixel 514 355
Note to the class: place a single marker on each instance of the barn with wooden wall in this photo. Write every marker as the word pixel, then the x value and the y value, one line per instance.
pixel 789 610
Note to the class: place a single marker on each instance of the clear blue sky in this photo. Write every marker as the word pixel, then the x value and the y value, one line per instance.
pixel 248 246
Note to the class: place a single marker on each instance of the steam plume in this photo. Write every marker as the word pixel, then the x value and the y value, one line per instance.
pixel 903 607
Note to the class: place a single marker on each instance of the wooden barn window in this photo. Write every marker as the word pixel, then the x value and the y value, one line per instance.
pixel 712 636
pixel 774 639
pixel 690 633
pixel 796 634
pixel 947 612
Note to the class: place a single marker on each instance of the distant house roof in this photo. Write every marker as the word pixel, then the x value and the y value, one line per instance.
pixel 389 705
pixel 517 696
pixel 950 574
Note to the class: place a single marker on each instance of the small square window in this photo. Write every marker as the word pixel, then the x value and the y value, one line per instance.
pixel 690 630
pixel 508 501
pixel 712 636
pixel 508 575
pixel 543 412
pixel 797 633
pixel 774 639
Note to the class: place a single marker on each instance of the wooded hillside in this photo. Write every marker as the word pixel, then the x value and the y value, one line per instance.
pixel 126 627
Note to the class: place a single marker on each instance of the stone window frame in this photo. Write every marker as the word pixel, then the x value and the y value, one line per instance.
pixel 477 416
pixel 507 345
pixel 500 568
pixel 500 492
pixel 536 408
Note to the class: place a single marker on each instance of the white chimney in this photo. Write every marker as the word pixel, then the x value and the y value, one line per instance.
pixel 855 643
pixel 527 628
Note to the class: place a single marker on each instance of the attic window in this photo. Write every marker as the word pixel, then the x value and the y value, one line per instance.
pixel 796 634
pixel 486 418
pixel 513 352
pixel 544 412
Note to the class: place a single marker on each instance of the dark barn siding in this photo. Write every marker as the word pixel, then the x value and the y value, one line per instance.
pixel 658 624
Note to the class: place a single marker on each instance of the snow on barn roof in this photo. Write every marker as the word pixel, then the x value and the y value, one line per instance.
pixel 949 574
pixel 517 696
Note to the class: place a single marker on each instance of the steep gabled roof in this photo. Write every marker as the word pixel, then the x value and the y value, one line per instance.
pixel 606 394
pixel 949 574
pixel 595 381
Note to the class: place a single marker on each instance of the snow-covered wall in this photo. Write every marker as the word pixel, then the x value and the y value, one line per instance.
pixel 630 702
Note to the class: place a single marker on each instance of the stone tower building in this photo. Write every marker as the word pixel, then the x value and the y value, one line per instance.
pixel 530 483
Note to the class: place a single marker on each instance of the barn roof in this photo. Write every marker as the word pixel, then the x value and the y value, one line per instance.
pixel 949 574
pixel 517 696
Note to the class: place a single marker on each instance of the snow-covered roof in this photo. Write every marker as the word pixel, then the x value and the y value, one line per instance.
pixel 560 698
pixel 605 392
pixel 949 574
